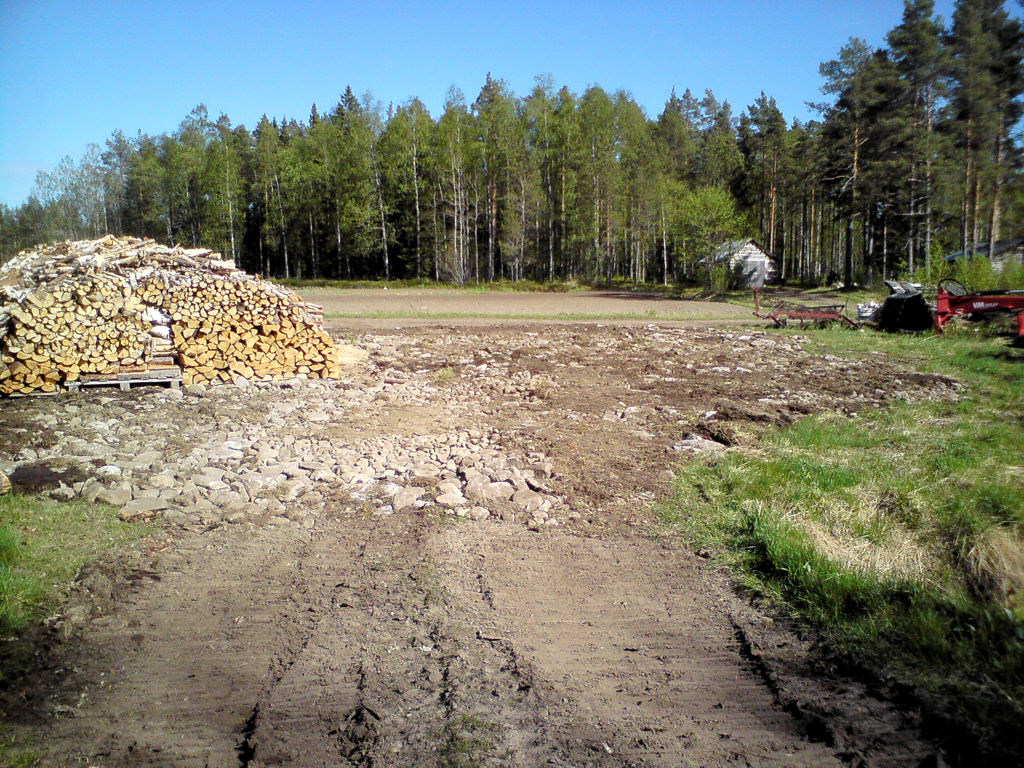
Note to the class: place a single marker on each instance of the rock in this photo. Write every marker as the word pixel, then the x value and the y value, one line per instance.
pixel 109 471
pixel 143 508
pixel 407 497
pixel 196 390
pixel 210 483
pixel 175 517
pixel 228 501
pixel 211 473
pixel 543 469
pixel 390 489
pixel 698 444
pixel 224 452
pixel 427 471
pixel 451 500
pixel 91 488
pixel 77 616
pixel 479 488
pixel 296 513
pixel 518 480
pixel 62 493
pixel 115 497
pixel 528 501
pixel 146 459
pixel 449 486
pixel 479 513
pixel 312 499
pixel 161 482
pixel 324 476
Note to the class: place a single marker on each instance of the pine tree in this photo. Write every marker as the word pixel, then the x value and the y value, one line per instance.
pixel 921 59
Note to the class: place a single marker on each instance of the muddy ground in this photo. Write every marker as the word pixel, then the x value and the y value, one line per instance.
pixel 369 633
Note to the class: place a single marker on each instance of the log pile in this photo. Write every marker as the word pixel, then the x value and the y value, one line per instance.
pixel 122 306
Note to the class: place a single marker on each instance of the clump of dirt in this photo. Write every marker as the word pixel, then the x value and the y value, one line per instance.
pixel 44 475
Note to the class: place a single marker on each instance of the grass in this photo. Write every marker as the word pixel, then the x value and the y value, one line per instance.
pixel 445 375
pixel 43 544
pixel 468 742
pixel 15 755
pixel 898 534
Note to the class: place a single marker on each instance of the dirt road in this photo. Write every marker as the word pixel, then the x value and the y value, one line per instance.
pixel 390 625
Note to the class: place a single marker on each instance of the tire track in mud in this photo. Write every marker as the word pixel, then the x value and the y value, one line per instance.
pixel 417 687
pixel 412 640
pixel 639 662
pixel 169 677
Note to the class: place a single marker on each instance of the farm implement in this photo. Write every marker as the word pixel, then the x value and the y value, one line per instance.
pixel 782 311
pixel 954 300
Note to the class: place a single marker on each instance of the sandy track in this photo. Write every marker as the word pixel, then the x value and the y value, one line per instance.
pixel 646 663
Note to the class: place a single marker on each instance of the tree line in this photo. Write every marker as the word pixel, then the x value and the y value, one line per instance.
pixel 915 155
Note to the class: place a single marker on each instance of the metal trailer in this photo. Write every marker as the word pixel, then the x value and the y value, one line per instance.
pixel 782 311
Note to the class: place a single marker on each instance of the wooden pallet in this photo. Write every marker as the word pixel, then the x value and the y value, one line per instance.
pixel 166 375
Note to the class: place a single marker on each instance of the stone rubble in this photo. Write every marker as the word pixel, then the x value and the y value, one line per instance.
pixel 290 451
pixel 263 454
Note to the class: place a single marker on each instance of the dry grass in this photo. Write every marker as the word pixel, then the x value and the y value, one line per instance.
pixel 899 534
pixel 995 567
pixel 896 554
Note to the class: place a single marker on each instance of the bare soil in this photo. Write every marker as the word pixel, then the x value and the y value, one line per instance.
pixel 386 308
pixel 421 639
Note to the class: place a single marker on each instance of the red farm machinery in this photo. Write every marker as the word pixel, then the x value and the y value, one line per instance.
pixel 954 300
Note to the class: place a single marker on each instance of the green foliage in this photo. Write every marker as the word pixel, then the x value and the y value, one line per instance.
pixel 468 742
pixel 20 592
pixel 895 533
pixel 706 218
pixel 978 274
pixel 43 544
pixel 15 755
pixel 720 278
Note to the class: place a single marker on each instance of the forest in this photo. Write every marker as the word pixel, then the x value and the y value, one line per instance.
pixel 915 155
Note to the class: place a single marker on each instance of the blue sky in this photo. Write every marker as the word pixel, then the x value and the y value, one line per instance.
pixel 73 72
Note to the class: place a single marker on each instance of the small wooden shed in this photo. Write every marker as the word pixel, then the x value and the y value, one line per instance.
pixel 752 264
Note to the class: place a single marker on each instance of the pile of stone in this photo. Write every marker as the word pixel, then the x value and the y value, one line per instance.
pixel 123 307
pixel 269 453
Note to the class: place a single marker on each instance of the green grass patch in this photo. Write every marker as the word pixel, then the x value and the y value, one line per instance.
pixel 469 742
pixel 898 534
pixel 14 754
pixel 43 544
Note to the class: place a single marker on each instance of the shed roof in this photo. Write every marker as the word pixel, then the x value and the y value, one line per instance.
pixel 727 250
pixel 1001 246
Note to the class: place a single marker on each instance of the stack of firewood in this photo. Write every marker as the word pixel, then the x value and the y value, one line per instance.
pixel 125 306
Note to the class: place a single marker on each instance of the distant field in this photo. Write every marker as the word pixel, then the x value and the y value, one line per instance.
pixel 380 306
